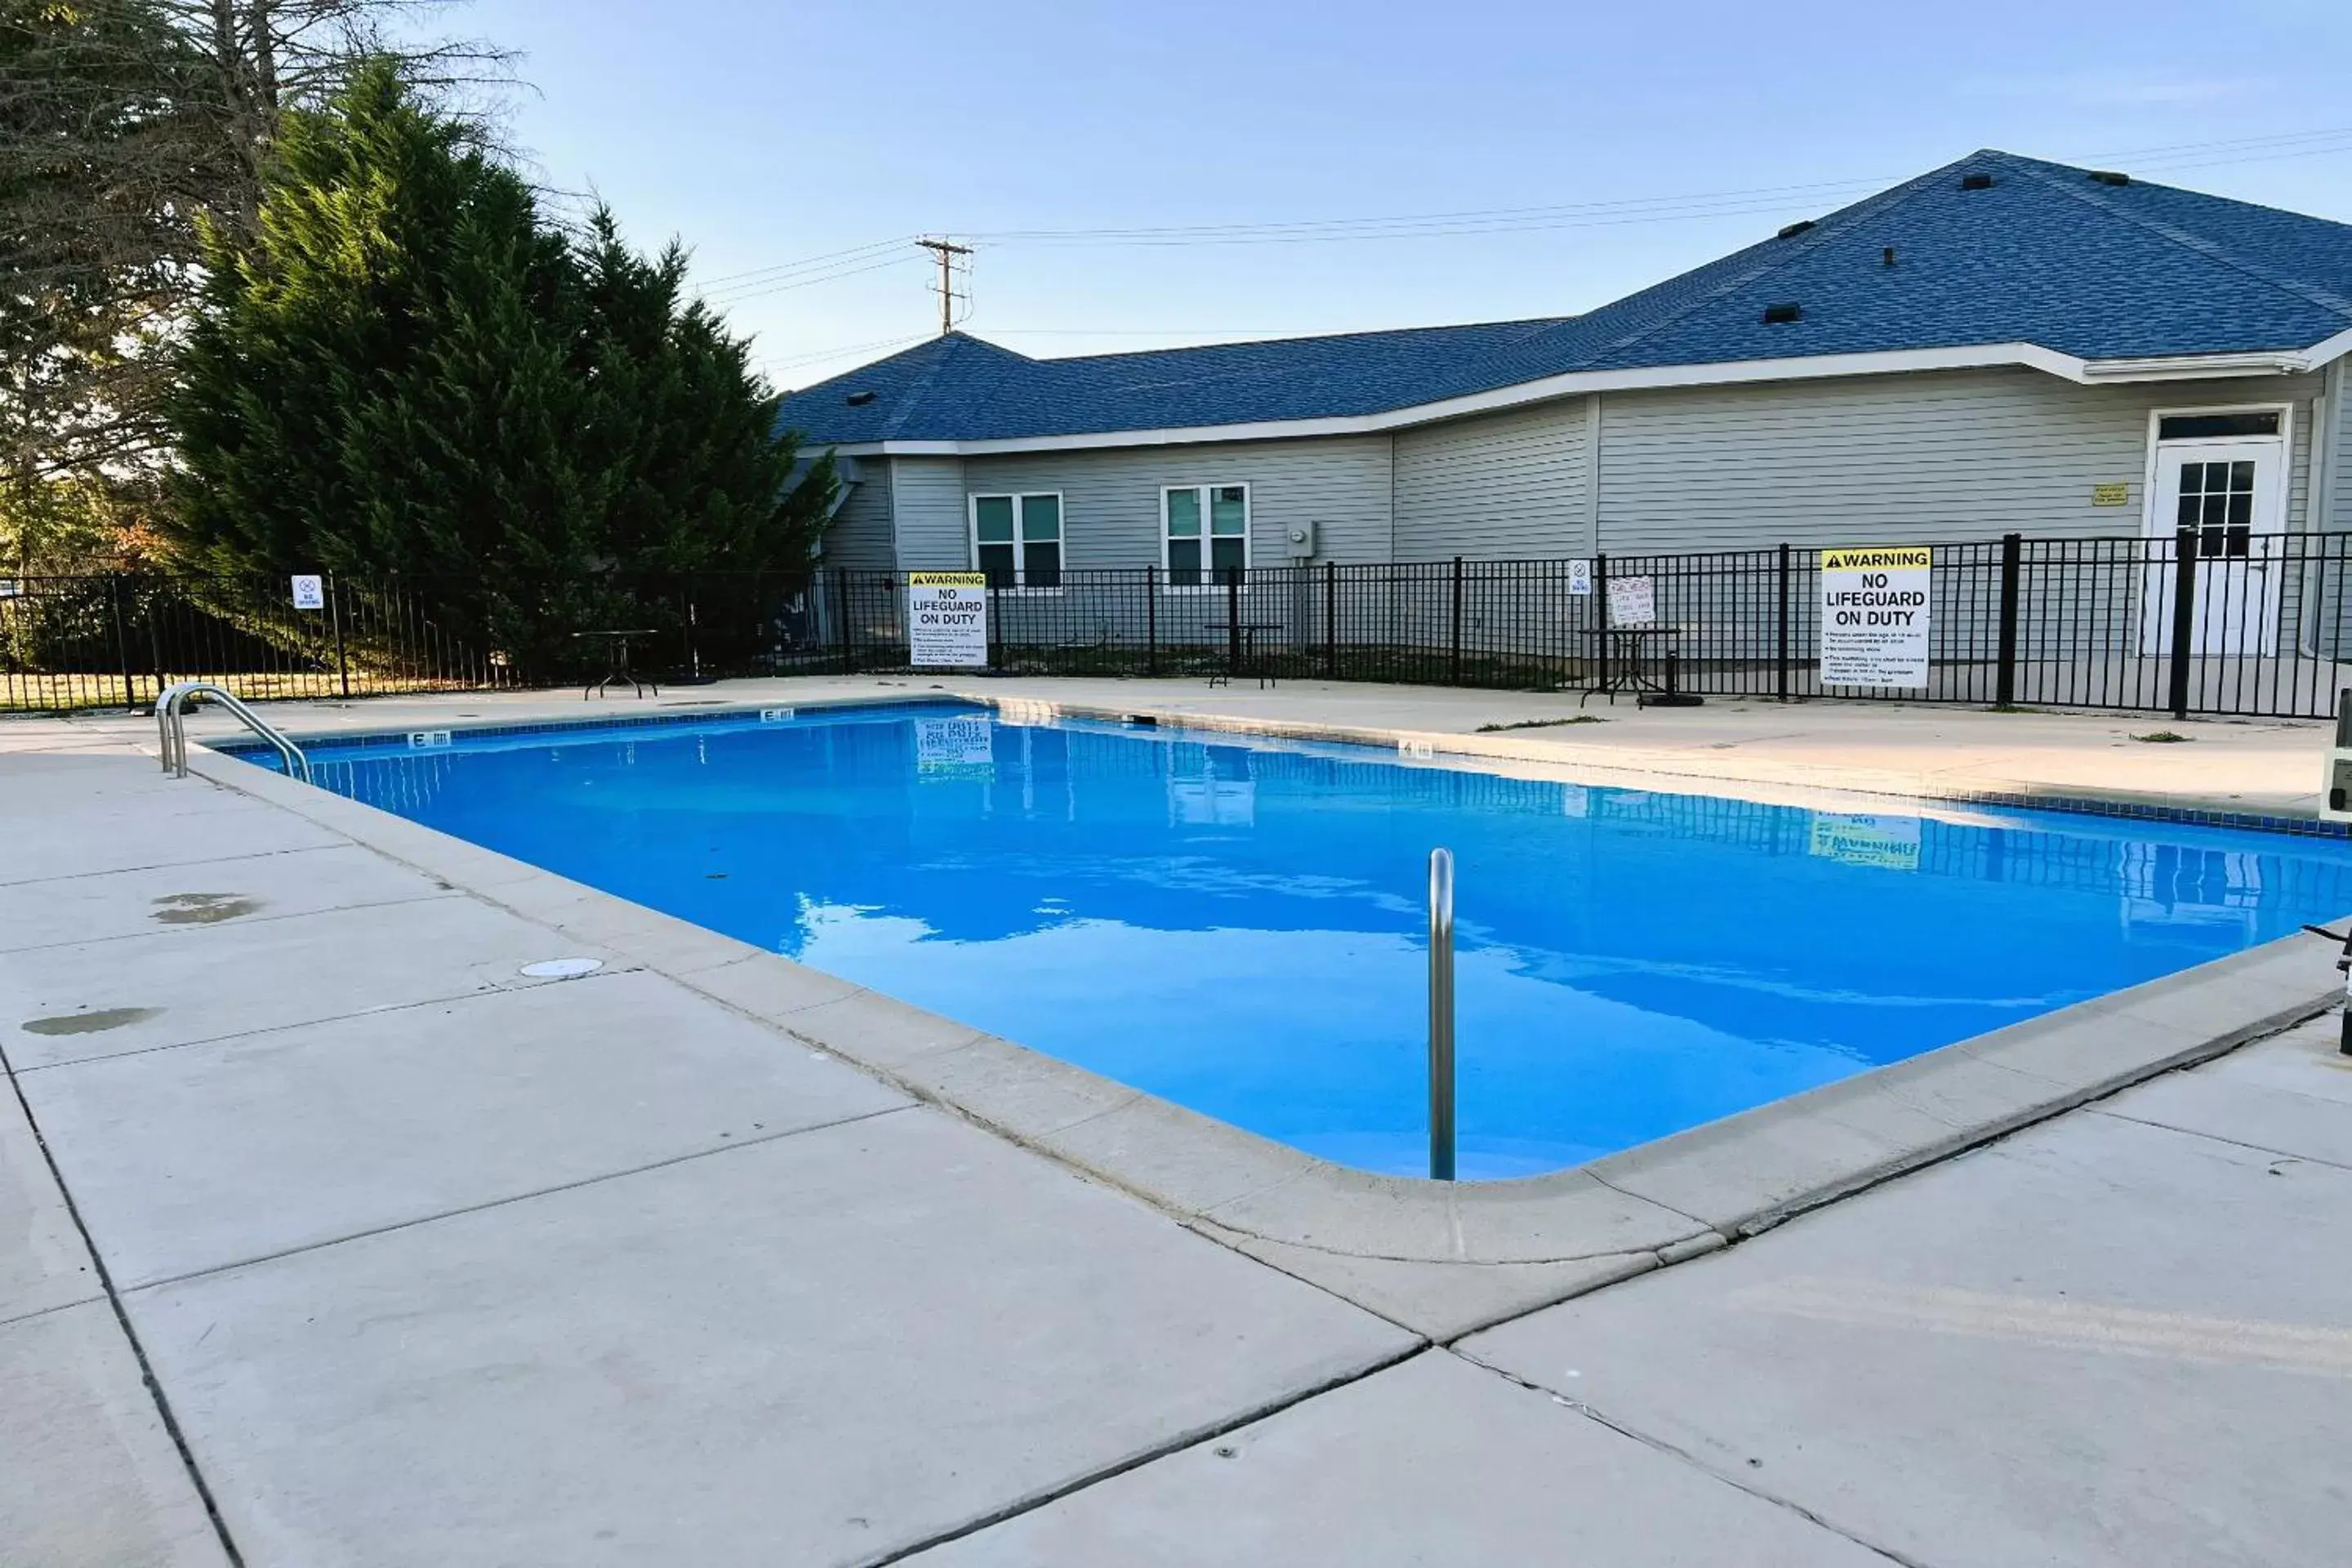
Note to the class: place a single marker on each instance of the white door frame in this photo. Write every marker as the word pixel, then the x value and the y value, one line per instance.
pixel 2270 519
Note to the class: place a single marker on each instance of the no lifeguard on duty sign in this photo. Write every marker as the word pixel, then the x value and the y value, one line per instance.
pixel 1874 615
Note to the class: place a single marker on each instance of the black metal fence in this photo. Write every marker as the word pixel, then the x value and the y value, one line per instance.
pixel 2258 625
pixel 117 639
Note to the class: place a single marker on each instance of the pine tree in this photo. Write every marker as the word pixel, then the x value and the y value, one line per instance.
pixel 407 374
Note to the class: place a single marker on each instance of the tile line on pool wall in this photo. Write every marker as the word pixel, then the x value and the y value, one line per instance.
pixel 1447 744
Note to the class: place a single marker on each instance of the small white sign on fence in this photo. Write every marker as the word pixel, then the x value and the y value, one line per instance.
pixel 1579 578
pixel 309 592
pixel 947 620
pixel 1633 600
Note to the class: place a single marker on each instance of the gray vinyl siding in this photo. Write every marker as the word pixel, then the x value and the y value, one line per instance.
pixel 1509 486
pixel 1110 500
pixel 927 506
pixel 861 534
pixel 1928 457
pixel 2336 515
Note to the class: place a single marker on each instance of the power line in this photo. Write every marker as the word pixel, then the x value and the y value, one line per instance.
pixel 815 355
pixel 756 273
pixel 739 296
pixel 1499 220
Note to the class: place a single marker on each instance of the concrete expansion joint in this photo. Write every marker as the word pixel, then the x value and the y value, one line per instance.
pixel 2281 1157
pixel 1660 1446
pixel 1177 1444
pixel 113 1297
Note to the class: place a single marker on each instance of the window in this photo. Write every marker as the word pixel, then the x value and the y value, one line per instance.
pixel 2207 426
pixel 2217 500
pixel 1017 540
pixel 1205 529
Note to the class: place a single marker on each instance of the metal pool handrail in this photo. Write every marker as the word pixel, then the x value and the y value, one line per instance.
pixel 171 730
pixel 1441 1015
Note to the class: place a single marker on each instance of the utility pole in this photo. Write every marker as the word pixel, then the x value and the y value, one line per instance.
pixel 947 251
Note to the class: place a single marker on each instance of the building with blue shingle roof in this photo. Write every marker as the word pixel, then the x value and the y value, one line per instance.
pixel 2002 345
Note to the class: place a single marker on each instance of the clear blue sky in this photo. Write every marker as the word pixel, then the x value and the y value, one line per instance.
pixel 766 133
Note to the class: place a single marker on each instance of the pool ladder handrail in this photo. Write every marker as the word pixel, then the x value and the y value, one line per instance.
pixel 172 728
pixel 1441 1015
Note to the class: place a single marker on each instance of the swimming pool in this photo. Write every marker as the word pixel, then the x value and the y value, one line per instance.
pixel 1237 924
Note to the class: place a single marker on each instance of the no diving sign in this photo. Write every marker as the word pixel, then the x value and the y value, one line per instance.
pixel 947 619
pixel 1874 610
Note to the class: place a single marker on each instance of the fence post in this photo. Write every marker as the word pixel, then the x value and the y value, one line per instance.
pixel 1234 621
pixel 841 618
pixel 1330 620
pixel 2184 613
pixel 122 640
pixel 335 614
pixel 1152 620
pixel 1453 658
pixel 2012 560
pixel 995 625
pixel 1601 619
pixel 1780 642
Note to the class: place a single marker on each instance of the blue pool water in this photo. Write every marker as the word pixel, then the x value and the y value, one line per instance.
pixel 1237 924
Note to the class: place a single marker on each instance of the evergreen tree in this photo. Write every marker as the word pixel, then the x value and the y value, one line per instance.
pixel 408 373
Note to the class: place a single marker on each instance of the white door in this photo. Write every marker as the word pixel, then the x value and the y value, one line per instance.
pixel 2232 494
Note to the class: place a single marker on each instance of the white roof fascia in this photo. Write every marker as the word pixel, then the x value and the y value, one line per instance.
pixel 1578 384
pixel 2198 367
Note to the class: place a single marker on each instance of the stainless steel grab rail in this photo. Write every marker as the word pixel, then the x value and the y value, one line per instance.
pixel 172 728
pixel 1441 1015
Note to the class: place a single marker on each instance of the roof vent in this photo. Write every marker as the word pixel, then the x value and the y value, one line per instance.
pixel 1794 229
pixel 858 399
pixel 1976 182
pixel 1774 315
pixel 2110 177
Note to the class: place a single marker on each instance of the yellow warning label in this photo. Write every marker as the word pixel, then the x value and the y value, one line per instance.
pixel 1891 558
pixel 2111 495
pixel 1888 843
pixel 947 579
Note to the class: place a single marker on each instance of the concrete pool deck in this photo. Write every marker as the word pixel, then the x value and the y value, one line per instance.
pixel 431 1263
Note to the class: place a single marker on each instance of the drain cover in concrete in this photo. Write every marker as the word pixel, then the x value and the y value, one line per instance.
pixel 563 968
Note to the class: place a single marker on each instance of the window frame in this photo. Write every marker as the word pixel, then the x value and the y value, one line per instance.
pixel 1208 571
pixel 1021 583
pixel 2151 475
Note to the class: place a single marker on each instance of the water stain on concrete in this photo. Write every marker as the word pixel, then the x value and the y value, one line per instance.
pixel 91 1023
pixel 201 909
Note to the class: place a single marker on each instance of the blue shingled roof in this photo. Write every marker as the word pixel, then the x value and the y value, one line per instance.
pixel 2047 255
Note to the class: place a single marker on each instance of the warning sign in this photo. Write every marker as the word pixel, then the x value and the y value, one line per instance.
pixel 1890 843
pixel 955 748
pixel 1875 616
pixel 947 620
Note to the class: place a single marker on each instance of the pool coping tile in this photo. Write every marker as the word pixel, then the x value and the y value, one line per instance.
pixel 1441 1258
